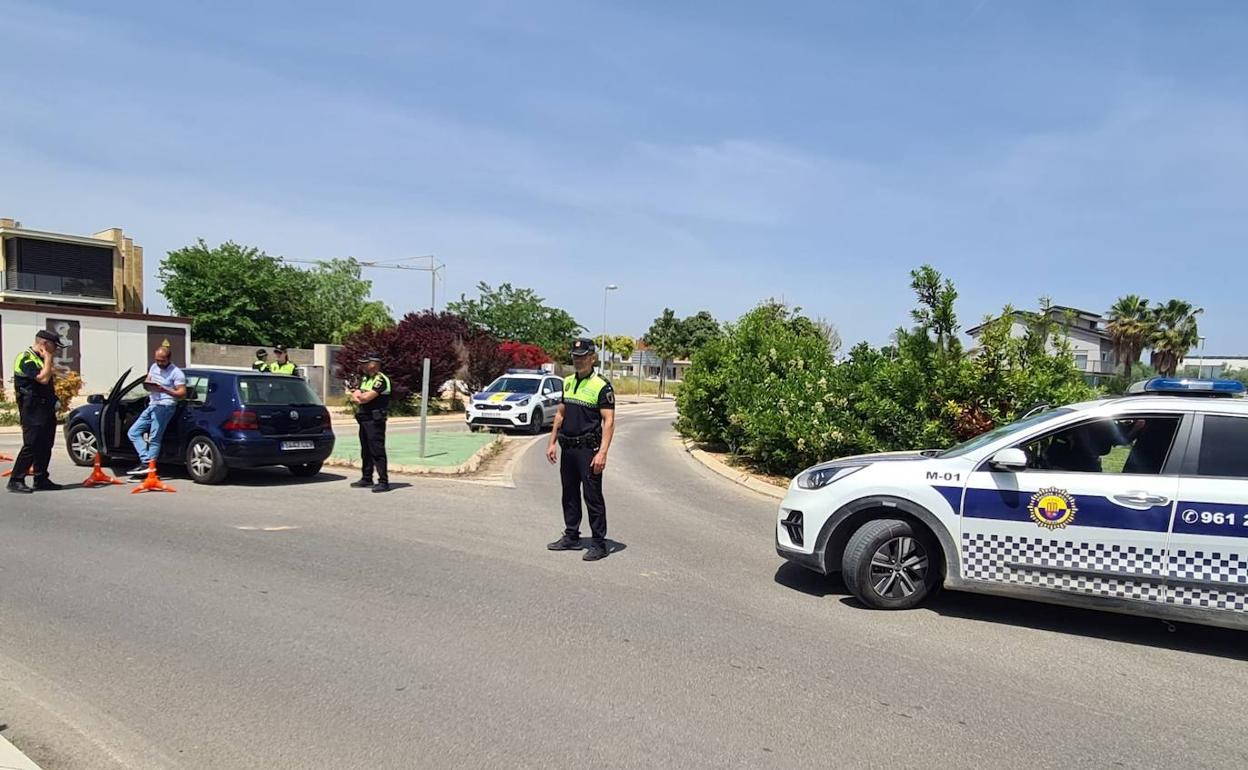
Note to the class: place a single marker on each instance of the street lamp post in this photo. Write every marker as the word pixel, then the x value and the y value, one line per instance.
pixel 1200 368
pixel 608 288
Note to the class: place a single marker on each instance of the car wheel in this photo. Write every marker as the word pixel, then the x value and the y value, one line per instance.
pixel 537 421
pixel 83 445
pixel 474 428
pixel 888 565
pixel 204 462
pixel 305 470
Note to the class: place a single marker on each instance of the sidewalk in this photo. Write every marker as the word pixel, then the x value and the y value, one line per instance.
pixel 12 759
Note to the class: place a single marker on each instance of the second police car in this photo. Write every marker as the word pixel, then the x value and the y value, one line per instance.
pixel 523 399
pixel 1136 504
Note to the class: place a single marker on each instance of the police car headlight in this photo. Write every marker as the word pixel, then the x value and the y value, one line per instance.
pixel 821 477
pixel 522 402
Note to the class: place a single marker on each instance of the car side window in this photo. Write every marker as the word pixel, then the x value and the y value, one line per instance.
pixel 196 390
pixel 1223 447
pixel 1134 444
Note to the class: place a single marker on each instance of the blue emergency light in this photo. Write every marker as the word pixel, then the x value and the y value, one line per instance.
pixel 1176 386
pixel 525 371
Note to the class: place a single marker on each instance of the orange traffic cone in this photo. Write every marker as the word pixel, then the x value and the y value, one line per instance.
pixel 152 483
pixel 6 474
pixel 5 458
pixel 98 477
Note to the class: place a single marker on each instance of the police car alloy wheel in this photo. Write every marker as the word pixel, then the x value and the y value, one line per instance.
pixel 889 566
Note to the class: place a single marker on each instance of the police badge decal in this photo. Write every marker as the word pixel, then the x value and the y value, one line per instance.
pixel 1052 508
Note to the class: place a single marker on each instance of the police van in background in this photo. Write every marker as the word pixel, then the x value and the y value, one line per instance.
pixel 1136 504
pixel 522 399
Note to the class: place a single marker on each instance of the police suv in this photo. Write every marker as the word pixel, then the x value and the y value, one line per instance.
pixel 1136 504
pixel 526 399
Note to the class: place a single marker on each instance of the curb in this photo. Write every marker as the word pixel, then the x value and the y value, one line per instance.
pixel 717 466
pixel 12 759
pixel 469 466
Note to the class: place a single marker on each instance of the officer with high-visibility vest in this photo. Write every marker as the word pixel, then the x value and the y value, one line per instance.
pixel 372 400
pixel 282 365
pixel 261 364
pixel 583 428
pixel 34 373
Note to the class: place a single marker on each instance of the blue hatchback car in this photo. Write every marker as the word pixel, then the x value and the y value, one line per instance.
pixel 229 419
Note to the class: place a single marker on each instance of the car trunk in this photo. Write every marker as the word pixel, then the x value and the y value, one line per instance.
pixel 284 406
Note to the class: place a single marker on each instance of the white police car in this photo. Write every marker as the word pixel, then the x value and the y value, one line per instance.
pixel 1135 504
pixel 526 399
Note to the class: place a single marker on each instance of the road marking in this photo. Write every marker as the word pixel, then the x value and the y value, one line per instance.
pixel 266 529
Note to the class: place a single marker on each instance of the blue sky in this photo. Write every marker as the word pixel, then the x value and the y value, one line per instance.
pixel 698 154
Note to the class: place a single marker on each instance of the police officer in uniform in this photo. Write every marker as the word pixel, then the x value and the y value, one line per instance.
pixel 33 376
pixel 583 428
pixel 282 365
pixel 373 406
pixel 261 364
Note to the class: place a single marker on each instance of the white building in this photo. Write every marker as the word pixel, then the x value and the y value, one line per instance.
pixel 1090 344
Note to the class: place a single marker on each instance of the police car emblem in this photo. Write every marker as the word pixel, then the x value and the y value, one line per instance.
pixel 1052 508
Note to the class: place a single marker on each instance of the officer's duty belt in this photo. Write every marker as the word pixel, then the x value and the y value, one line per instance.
pixel 575 442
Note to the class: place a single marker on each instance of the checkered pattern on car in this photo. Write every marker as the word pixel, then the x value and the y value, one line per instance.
pixel 1215 566
pixel 986 557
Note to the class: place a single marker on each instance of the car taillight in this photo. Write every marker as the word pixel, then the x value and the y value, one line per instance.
pixel 242 420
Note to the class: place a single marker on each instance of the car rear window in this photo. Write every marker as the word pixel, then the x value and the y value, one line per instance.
pixel 276 391
pixel 1224 447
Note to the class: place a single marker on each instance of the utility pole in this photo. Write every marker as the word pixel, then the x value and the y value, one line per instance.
pixel 434 268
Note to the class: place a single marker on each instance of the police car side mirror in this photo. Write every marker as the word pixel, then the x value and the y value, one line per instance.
pixel 1012 459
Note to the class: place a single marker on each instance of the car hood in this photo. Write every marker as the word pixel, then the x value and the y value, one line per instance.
pixel 879 457
pixel 499 397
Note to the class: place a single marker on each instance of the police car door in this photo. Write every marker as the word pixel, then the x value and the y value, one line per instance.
pixel 1089 514
pixel 1208 558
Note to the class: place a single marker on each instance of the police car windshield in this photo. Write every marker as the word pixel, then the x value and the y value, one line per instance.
pixel 984 439
pixel 514 385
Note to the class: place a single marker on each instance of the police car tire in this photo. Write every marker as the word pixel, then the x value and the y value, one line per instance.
pixel 862 546
pixel 537 421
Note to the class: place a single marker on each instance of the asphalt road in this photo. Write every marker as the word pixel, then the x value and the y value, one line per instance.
pixel 430 628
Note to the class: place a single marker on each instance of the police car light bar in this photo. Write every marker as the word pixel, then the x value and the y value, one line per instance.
pixel 1188 387
pixel 525 371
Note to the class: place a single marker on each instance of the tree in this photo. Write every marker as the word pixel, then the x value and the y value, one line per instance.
pixel 666 338
pixel 1174 333
pixel 440 337
pixel 621 346
pixel 509 313
pixel 697 330
pixel 1130 325
pixel 241 296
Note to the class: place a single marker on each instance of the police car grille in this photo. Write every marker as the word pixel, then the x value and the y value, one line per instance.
pixel 492 421
pixel 793 525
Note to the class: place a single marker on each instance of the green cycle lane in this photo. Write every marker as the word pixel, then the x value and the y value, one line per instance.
pixel 442 448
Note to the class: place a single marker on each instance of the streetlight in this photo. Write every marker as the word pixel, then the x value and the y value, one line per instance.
pixel 1200 368
pixel 608 288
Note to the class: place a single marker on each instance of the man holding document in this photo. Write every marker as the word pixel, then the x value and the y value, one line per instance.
pixel 166 385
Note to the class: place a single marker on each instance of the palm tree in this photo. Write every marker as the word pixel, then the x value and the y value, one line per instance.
pixel 1130 327
pixel 1175 332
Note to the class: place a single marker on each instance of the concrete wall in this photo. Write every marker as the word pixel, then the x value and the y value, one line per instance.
pixel 213 354
pixel 105 345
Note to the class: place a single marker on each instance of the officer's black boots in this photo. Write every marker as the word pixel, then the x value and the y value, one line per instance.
pixel 595 551
pixel 362 484
pixel 19 487
pixel 44 485
pixel 381 486
pixel 565 543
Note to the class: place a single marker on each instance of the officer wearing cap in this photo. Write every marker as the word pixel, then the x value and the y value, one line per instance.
pixel 583 428
pixel 261 364
pixel 282 365
pixel 33 377
pixel 372 401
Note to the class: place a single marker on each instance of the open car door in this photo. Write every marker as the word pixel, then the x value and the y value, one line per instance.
pixel 111 433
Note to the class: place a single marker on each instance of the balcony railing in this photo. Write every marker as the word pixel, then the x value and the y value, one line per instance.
pixel 58 285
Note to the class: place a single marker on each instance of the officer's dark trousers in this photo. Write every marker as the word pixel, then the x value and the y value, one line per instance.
pixel 373 449
pixel 38 435
pixel 576 475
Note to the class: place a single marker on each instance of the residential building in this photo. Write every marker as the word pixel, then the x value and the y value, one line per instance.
pixel 1090 343
pixel 1213 366
pixel 88 289
pixel 650 364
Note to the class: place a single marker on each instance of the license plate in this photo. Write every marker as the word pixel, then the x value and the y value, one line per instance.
pixel 289 445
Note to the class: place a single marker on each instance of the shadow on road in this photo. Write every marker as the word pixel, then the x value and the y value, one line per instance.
pixel 263 477
pixel 1128 629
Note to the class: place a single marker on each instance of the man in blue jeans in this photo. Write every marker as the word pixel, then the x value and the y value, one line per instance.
pixel 166 385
